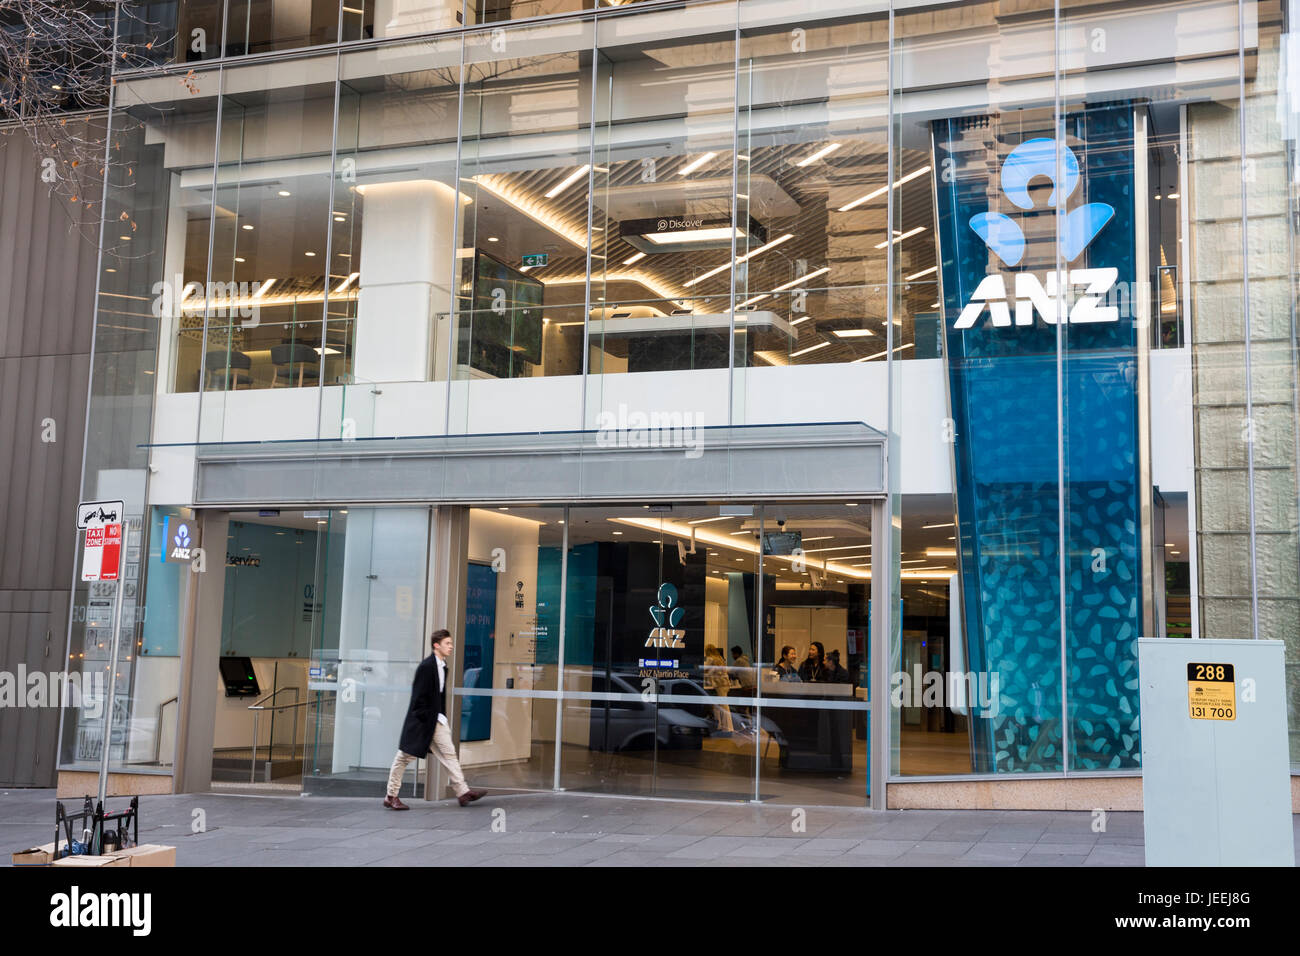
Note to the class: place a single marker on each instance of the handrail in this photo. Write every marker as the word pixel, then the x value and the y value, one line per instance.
pixel 272 696
pixel 157 727
pixel 257 709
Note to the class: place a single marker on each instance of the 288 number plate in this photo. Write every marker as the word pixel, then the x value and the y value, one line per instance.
pixel 1211 692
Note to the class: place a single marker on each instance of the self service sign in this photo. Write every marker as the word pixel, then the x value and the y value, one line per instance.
pixel 101 522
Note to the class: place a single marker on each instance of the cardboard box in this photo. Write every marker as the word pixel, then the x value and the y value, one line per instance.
pixel 148 854
pixel 37 855
pixel 91 861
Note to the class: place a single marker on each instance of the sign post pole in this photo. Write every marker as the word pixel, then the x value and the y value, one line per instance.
pixel 104 523
pixel 112 691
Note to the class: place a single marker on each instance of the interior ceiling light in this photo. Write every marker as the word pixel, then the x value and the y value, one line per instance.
pixel 530 206
pixel 636 258
pixel 695 164
pixel 248 226
pixel 811 348
pixel 284 192
pixel 901 237
pixel 346 282
pixel 824 151
pixel 917 275
pixel 883 189
pixel 663 234
pixel 789 285
pixel 940 552
pixel 568 181
pixel 852 333
pixel 739 259
pixel 868 358
pixel 946 524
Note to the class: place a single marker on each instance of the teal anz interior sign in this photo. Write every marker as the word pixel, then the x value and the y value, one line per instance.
pixel 1037 237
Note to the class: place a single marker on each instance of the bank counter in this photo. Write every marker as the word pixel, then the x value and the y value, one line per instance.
pixel 813 739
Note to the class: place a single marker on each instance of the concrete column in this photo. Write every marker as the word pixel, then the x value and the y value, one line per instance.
pixel 200 648
pixel 406 260
pixel 448 560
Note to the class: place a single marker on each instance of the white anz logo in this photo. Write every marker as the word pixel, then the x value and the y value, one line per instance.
pixel 132 910
pixel 1051 299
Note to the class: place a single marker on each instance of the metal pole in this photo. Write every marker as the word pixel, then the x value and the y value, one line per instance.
pixel 112 682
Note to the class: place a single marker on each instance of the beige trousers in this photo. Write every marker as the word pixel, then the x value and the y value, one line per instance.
pixel 444 750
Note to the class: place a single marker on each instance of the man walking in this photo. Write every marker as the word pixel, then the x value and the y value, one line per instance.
pixel 426 728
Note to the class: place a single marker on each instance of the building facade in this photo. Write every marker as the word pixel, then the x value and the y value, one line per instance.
pixel 804 403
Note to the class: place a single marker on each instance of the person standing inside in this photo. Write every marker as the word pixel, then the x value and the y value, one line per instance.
pixel 426 728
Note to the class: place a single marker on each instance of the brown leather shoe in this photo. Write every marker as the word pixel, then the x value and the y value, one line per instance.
pixel 395 803
pixel 469 796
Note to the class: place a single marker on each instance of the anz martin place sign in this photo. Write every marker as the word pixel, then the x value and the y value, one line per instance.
pixel 1036 225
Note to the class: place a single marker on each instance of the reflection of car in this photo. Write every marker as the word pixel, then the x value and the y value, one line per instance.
pixel 641 725
pixel 742 722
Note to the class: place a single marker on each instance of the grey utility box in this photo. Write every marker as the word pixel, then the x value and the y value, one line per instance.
pixel 1216 784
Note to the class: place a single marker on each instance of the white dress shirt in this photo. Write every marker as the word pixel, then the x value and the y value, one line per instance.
pixel 442 682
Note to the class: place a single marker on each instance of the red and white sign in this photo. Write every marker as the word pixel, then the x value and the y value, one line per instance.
pixel 103 551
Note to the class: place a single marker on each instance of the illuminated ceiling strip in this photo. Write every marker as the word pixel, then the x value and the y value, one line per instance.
pixel 634 275
pixel 788 285
pixel 636 258
pixel 811 348
pixel 923 272
pixel 868 358
pixel 695 164
pixel 533 210
pixel 739 259
pixel 906 235
pixel 852 333
pixel 726 541
pixel 346 282
pixel 883 189
pixel 568 180
pixel 824 151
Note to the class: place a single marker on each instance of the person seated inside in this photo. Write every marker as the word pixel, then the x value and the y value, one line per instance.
pixel 834 672
pixel 786 669
pixel 814 666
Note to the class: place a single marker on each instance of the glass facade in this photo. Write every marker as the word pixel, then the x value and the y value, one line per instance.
pixel 1047 251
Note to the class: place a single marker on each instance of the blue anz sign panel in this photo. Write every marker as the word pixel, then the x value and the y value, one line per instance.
pixel 1037 241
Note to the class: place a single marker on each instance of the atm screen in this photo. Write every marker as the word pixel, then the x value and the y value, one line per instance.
pixel 237 673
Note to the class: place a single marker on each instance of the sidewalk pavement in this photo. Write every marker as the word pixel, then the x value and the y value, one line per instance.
pixel 570 829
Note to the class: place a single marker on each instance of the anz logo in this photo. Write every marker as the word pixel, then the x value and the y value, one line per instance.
pixel 665 633
pixel 1085 287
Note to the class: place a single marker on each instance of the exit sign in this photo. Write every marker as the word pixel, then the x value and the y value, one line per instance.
pixel 538 259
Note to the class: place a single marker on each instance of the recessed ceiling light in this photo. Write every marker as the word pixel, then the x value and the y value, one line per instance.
pixel 248 226
pixel 636 258
pixel 285 192
pixel 901 236
pixel 239 258
pixel 617 532
pixel 881 191
pixel 695 164
pixel 309 253
pixel 852 333
pixel 340 218
pixel 110 270
pixel 125 238
pixel 946 524
pixel 568 181
pixel 811 348
pixel 493 239
pixel 824 151
pixel 923 272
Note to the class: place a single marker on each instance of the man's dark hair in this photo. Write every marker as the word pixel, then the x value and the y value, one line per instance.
pixel 437 636
pixel 735 649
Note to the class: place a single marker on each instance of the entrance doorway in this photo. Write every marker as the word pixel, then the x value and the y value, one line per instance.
pixel 275 608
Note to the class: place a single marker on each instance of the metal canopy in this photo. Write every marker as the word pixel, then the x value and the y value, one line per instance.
pixel 838 460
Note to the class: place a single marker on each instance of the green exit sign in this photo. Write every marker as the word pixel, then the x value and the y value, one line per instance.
pixel 538 259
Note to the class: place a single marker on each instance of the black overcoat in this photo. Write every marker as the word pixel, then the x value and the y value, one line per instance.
pixel 427 702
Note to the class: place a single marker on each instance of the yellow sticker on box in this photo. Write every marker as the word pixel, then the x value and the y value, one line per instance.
pixel 1211 692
